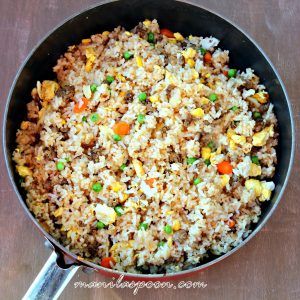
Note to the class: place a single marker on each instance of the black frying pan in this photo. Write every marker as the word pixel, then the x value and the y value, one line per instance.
pixel 178 16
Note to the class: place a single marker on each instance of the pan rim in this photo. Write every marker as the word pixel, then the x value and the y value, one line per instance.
pixel 94 266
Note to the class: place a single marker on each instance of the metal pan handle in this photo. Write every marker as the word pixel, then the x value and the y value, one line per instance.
pixel 51 280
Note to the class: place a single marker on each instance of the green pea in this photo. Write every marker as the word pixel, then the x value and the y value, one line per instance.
pixel 255 159
pixel 168 229
pixel 123 166
pixel 84 119
pixel 256 115
pixel 211 145
pixel 234 108
pixel 197 181
pixel 207 162
pixel 142 97
pixel 97 187
pixel 117 137
pixel 160 244
pixel 232 73
pixel 191 160
pixel 95 117
pixel 151 37
pixel 213 97
pixel 93 88
pixel 203 51
pixel 100 225
pixel 109 79
pixel 60 166
pixel 141 118
pixel 127 55
pixel 143 225
pixel 119 210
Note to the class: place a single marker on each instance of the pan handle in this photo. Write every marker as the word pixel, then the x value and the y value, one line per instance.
pixel 51 280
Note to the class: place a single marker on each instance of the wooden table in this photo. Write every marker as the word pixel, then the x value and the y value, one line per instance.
pixel 266 268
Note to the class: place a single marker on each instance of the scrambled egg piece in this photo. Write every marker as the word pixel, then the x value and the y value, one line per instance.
pixel 178 36
pixel 138 167
pixel 263 189
pixel 47 89
pixel 91 56
pixel 24 171
pixel 147 23
pixel 255 170
pixel 86 89
pixel 58 212
pixel 189 53
pixel 259 139
pixel 253 184
pixel 105 214
pixel 261 97
pixel 238 139
pixel 225 180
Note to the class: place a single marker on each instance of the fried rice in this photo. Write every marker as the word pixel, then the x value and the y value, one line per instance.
pixel 148 153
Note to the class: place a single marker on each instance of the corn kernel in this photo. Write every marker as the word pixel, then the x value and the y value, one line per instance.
pixel 172 40
pixel 170 242
pixel 178 36
pixel 170 212
pixel 105 33
pixel 63 122
pixel 197 112
pixel 204 100
pixel 58 212
pixel 153 98
pixel 139 61
pixel 176 225
pixel 124 197
pixel 24 171
pixel 86 41
pixel 116 187
pixel 190 62
pixel 207 75
pixel 120 77
pixel 128 33
pixel 205 152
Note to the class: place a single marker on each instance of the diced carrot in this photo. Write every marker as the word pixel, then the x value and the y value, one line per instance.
pixel 121 128
pixel 168 33
pixel 225 72
pixel 81 106
pixel 107 262
pixel 230 223
pixel 225 167
pixel 150 182
pixel 207 57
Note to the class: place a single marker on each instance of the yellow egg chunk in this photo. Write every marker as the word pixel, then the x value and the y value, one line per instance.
pixel 197 112
pixel 105 214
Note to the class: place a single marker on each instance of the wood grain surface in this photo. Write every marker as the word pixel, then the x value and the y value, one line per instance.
pixel 268 267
